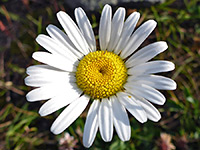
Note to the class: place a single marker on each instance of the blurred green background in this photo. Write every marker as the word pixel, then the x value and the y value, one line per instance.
pixel 21 128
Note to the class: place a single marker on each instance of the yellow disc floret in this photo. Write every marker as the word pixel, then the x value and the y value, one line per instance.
pixel 101 74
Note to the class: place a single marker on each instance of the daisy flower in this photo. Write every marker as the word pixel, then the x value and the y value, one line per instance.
pixel 114 78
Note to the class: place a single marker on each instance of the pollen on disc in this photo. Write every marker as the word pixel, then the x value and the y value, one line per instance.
pixel 101 74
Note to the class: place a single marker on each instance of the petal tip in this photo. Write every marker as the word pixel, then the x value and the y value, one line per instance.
pixel 127 138
pixel 152 23
pixel 172 66
pixel 34 55
pixel 86 144
pixel 174 87
pixel 41 112
pixel 164 44
pixel 107 5
pixel 162 102
pixel 60 13
pixel 25 80
pixel 76 9
pixel 144 120
pixel 54 131
pixel 49 26
pixel 37 39
pixel 122 9
pixel 136 14
pixel 157 119
pixel 28 97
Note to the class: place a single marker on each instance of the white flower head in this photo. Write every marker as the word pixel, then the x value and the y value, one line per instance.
pixel 114 78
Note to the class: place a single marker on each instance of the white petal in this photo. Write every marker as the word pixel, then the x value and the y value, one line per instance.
pixel 69 114
pixel 73 32
pixel 45 79
pixel 132 106
pixel 63 40
pixel 120 119
pixel 151 67
pixel 85 28
pixel 105 117
pixel 43 69
pixel 54 61
pixel 52 46
pixel 145 54
pixel 59 36
pixel 152 113
pixel 138 37
pixel 146 92
pixel 43 93
pixel 128 28
pixel 52 90
pixel 155 81
pixel 91 124
pixel 59 101
pixel 116 28
pixel 105 27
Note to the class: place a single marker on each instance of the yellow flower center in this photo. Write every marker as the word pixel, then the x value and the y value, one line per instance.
pixel 101 74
